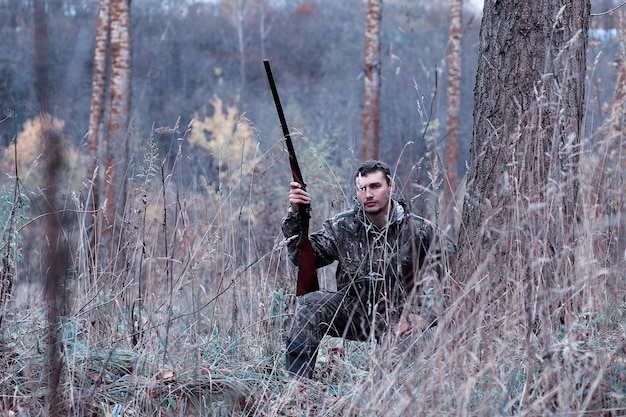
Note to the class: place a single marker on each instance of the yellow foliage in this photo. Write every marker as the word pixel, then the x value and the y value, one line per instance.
pixel 229 139
pixel 29 152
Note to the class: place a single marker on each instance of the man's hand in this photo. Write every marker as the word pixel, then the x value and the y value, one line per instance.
pixel 411 323
pixel 297 196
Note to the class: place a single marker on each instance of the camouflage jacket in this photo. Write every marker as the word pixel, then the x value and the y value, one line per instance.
pixel 384 263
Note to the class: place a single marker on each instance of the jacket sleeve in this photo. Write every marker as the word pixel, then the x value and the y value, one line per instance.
pixel 322 241
pixel 291 224
pixel 292 227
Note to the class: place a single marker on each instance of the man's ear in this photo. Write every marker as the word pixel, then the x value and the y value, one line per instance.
pixel 392 186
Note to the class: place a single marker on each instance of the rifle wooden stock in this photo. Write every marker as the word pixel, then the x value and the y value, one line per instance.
pixel 307 274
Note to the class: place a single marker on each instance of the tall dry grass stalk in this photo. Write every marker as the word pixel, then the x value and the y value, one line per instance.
pixel 191 323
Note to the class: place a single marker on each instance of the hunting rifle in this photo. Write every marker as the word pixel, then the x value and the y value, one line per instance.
pixel 307 274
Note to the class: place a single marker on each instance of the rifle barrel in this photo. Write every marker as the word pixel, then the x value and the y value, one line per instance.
pixel 293 161
pixel 307 274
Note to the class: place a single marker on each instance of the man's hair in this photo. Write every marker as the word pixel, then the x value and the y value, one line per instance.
pixel 372 165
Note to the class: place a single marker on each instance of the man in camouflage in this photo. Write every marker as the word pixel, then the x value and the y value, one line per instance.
pixel 380 248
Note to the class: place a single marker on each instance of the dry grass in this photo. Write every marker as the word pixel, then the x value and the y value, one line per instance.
pixel 191 323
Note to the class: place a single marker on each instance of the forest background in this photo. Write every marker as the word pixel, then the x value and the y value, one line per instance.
pixel 199 305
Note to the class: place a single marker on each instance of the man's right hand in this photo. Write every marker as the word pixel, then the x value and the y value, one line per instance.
pixel 297 196
pixel 411 323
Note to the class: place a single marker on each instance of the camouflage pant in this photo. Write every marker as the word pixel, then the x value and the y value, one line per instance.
pixel 339 314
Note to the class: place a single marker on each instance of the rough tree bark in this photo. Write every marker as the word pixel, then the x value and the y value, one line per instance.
pixel 98 94
pixel 519 212
pixel 119 111
pixel 453 136
pixel 371 101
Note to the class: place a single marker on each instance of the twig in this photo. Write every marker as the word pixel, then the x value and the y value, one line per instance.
pixel 608 11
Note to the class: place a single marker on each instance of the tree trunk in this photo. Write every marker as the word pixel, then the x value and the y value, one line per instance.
pixel 609 176
pixel 265 27
pixel 453 136
pixel 53 276
pixel 240 10
pixel 372 79
pixel 98 94
pixel 514 267
pixel 40 56
pixel 119 109
pixel 519 212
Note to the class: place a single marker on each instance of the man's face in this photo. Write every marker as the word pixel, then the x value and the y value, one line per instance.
pixel 373 192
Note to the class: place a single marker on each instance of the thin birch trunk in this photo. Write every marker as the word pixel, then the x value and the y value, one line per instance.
pixel 371 101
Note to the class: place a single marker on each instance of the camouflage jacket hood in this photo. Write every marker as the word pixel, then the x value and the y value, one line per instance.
pixel 385 260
